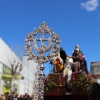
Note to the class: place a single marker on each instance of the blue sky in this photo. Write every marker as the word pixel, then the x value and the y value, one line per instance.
pixel 75 21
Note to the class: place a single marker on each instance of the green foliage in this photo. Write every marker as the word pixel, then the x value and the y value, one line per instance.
pixel 50 83
pixel 84 82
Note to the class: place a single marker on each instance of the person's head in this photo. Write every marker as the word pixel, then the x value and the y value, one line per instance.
pixel 26 93
pixel 32 96
pixel 94 93
pixel 2 97
pixel 13 94
pixel 68 87
pixel 17 95
pixel 95 87
pixel 21 96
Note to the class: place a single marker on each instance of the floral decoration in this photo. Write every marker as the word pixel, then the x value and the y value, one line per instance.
pixel 49 82
pixel 84 81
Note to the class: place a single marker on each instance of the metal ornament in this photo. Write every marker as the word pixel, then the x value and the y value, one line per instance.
pixel 31 45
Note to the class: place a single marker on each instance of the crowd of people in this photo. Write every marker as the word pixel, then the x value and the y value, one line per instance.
pixel 16 96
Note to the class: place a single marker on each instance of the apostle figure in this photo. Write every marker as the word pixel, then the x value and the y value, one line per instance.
pixel 77 48
pixel 58 63
pixel 78 61
pixel 63 55
pixel 68 70
pixel 83 62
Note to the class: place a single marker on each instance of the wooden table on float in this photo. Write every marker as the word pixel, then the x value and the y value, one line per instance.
pixel 56 92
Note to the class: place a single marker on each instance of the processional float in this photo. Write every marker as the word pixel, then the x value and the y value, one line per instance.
pixel 40 58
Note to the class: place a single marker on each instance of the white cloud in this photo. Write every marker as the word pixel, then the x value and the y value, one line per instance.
pixel 90 5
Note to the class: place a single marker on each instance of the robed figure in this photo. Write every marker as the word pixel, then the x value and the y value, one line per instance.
pixel 58 63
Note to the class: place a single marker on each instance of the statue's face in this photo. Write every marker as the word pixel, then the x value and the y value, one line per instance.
pixel 77 46
pixel 77 52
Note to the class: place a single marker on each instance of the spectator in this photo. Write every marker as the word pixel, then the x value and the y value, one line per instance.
pixel 21 97
pixel 17 97
pixel 2 97
pixel 94 93
pixel 68 90
pixel 29 97
pixel 25 96
pixel 32 96
pixel 7 95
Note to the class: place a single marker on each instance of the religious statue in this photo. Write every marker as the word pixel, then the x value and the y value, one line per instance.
pixel 77 48
pixel 78 60
pixel 63 55
pixel 68 70
pixel 58 63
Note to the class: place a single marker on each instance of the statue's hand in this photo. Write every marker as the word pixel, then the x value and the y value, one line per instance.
pixel 69 56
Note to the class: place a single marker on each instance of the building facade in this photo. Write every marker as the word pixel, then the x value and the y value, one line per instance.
pixel 21 85
pixel 95 70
